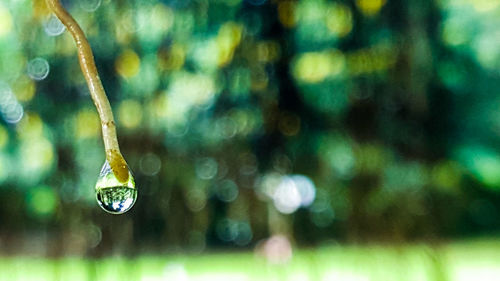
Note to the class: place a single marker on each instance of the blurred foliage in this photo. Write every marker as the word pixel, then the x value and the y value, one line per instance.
pixel 317 120
pixel 464 261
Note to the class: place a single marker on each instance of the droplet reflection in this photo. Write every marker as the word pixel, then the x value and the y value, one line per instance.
pixel 116 200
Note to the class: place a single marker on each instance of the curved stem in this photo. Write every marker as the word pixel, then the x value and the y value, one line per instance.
pixel 89 70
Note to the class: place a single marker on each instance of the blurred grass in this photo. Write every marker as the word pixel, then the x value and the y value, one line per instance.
pixel 469 260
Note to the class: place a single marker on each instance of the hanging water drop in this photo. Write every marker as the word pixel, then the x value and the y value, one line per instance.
pixel 113 196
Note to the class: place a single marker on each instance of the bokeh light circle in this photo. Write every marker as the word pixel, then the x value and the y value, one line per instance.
pixel 38 69
pixel 53 26
pixel 89 5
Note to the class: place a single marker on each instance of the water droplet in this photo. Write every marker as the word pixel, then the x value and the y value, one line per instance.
pixel 113 196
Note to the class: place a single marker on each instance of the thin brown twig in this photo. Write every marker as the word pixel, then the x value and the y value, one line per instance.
pixel 89 70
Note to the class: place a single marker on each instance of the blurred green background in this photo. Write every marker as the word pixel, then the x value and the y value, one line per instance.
pixel 270 140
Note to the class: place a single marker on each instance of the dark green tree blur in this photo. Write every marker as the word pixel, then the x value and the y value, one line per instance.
pixel 348 121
